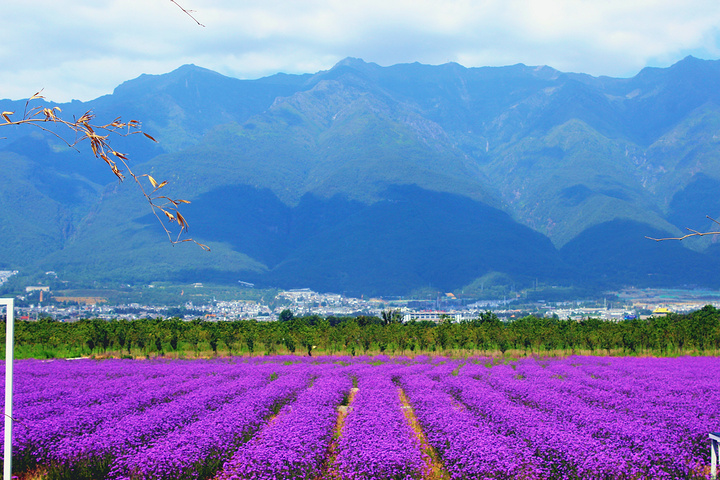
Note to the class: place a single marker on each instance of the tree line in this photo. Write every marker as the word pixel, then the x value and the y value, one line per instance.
pixel 675 334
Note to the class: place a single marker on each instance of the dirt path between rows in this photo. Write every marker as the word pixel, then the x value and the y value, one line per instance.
pixel 434 469
pixel 330 472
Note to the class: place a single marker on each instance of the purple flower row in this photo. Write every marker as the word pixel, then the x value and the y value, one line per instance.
pixel 376 440
pixel 115 391
pixel 41 426
pixel 295 444
pixel 563 449
pixel 119 436
pixel 199 449
pixel 468 448
pixel 552 406
pixel 59 385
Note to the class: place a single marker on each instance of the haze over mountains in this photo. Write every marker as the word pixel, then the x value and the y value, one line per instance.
pixel 384 180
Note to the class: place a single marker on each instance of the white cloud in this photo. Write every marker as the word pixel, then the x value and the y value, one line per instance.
pixel 82 49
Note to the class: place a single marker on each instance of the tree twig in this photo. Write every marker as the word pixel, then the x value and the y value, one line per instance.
pixel 187 12
pixel 693 233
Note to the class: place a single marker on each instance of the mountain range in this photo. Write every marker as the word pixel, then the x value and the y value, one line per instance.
pixel 383 180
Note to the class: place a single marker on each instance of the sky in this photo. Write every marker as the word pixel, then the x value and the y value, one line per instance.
pixel 82 49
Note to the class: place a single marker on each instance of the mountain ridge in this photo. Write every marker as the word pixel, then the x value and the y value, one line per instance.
pixel 581 161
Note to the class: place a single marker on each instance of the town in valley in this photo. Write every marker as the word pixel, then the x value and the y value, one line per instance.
pixel 200 301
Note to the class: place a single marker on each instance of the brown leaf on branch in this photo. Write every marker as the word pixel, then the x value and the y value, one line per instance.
pixel 181 221
pixel 169 215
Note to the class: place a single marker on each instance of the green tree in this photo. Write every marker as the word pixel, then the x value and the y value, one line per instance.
pixel 391 316
pixel 303 334
pixel 193 334
pixel 443 333
pixel 250 335
pixel 702 323
pixel 229 334
pixel 213 336
pixel 286 315
pixel 118 334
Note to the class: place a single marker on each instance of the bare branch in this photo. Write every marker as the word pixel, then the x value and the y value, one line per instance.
pixel 187 12
pixel 98 135
pixel 693 233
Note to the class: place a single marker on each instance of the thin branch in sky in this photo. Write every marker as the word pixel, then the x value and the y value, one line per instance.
pixel 187 12
pixel 694 233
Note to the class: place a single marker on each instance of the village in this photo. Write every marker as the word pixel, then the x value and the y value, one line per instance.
pixel 305 302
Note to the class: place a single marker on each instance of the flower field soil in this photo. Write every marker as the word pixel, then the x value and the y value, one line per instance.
pixel 360 418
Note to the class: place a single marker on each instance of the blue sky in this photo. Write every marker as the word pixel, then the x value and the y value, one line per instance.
pixel 81 49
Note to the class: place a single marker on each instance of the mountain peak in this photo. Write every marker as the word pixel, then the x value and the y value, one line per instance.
pixel 689 59
pixel 181 73
pixel 355 64
pixel 191 68
pixel 351 62
pixel 354 67
pixel 689 64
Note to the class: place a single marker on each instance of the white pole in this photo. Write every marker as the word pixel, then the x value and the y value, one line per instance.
pixel 714 443
pixel 9 334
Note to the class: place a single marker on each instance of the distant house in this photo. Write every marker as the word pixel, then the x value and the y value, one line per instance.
pixel 432 316
pixel 37 289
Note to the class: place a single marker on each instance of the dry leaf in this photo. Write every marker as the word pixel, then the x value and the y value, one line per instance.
pixel 181 221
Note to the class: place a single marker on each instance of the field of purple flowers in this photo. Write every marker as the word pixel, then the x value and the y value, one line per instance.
pixel 421 418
